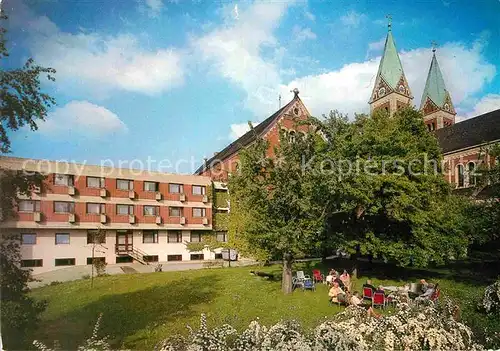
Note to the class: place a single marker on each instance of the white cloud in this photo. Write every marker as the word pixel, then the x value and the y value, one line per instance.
pixel 375 47
pixel 348 89
pixel 488 103
pixel 99 63
pixel 239 129
pixel 235 51
pixel 154 7
pixel 352 19
pixel 309 16
pixel 303 34
pixel 82 118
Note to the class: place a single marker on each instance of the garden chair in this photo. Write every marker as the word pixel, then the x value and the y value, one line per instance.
pixel 378 299
pixel 317 276
pixel 302 276
pixel 296 283
pixel 367 293
pixel 308 284
pixel 435 296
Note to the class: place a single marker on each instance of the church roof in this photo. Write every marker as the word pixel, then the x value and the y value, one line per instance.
pixel 246 138
pixel 390 67
pixel 473 131
pixel 435 88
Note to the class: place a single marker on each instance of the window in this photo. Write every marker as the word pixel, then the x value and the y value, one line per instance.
pixel 221 237
pixel 471 168
pixel 64 207
pixel 196 257
pixel 95 182
pixel 199 212
pixel 64 179
pixel 29 206
pixel 150 236
pixel 124 259
pixel 62 239
pixel 174 236
pixel 96 259
pixel 175 188
pixel 31 263
pixel 125 209
pixel 94 208
pixel 460 176
pixel 65 262
pixel 151 210
pixel 175 211
pixel 28 239
pixel 151 186
pixel 195 237
pixel 153 258
pixel 291 136
pixel 93 238
pixel 124 184
pixel 199 190
pixel 218 256
pixel 174 257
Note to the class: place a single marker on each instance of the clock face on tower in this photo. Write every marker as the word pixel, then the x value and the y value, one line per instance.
pixel 447 107
pixel 381 91
pixel 401 88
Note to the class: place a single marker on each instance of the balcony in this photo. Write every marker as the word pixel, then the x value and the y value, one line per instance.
pixel 103 192
pixel 205 221
pixel 71 190
pixel 131 194
pixel 131 219
pixel 182 197
pixel 71 218
pixel 37 216
pixel 182 220
pixel 158 220
pixel 158 196
pixel 103 218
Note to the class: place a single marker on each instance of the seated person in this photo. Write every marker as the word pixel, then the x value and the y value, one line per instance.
pixel 368 284
pixel 423 285
pixel 336 294
pixel 380 290
pixel 345 278
pixel 429 292
pixel 339 282
pixel 357 301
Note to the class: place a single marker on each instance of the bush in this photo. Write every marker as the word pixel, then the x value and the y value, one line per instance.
pixel 408 328
pixel 491 299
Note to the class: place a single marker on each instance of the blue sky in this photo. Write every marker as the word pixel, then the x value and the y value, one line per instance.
pixel 174 81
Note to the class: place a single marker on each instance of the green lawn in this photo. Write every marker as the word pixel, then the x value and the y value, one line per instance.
pixel 139 310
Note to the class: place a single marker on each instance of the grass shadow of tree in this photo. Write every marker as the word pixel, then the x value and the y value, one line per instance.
pixel 126 314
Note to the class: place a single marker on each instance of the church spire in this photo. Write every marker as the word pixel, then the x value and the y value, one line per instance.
pixel 391 90
pixel 436 104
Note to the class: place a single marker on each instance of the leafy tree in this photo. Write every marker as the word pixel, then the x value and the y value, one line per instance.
pixel 396 205
pixel 21 103
pixel 20 313
pixel 277 211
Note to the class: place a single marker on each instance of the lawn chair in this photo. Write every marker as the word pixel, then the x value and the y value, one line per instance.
pixel 317 276
pixel 378 299
pixel 302 276
pixel 367 293
pixel 308 284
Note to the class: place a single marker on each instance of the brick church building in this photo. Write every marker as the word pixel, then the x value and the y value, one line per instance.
pixel 464 144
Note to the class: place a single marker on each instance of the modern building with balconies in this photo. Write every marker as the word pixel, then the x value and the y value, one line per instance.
pixel 147 216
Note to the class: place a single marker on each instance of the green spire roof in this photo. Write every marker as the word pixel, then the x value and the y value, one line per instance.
pixel 390 66
pixel 434 86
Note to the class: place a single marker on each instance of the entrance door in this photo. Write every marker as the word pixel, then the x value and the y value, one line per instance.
pixel 124 243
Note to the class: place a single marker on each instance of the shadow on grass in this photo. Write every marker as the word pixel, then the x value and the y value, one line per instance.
pixel 128 313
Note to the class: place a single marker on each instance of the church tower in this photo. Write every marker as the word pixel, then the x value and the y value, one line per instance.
pixel 436 105
pixel 391 91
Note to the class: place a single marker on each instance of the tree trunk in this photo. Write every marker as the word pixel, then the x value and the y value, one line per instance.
pixel 286 280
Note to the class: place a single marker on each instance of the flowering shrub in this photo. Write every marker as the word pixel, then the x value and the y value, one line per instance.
pixel 408 328
pixel 491 299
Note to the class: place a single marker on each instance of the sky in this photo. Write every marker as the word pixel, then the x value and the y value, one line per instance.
pixel 161 84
